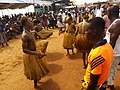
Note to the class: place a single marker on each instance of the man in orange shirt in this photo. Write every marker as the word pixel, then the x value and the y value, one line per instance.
pixel 98 61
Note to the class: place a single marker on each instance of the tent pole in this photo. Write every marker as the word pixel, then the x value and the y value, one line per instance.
pixel 34 4
pixel 8 12
pixel 2 12
pixel 27 9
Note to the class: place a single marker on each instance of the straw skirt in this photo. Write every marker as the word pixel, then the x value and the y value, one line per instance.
pixel 34 68
pixel 68 40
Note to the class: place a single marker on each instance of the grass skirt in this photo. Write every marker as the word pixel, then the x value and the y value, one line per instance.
pixel 82 44
pixel 42 46
pixel 45 34
pixel 34 68
pixel 68 40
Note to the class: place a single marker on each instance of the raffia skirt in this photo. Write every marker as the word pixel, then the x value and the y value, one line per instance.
pixel 42 46
pixel 82 44
pixel 35 68
pixel 45 34
pixel 68 40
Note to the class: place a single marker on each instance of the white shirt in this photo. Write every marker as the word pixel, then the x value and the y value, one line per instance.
pixel 59 24
pixel 63 17
pixel 99 12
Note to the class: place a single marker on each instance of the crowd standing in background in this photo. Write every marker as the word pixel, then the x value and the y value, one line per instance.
pixel 74 23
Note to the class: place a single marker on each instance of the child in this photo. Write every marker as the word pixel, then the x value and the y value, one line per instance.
pixel 69 36
pixel 34 66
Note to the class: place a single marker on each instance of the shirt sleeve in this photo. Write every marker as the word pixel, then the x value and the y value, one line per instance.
pixel 96 65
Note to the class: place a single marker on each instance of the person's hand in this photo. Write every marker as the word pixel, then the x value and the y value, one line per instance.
pixel 41 55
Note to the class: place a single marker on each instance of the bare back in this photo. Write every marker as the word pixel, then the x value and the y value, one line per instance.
pixel 28 41
pixel 114 32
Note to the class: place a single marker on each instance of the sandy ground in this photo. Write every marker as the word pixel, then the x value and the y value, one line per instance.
pixel 66 72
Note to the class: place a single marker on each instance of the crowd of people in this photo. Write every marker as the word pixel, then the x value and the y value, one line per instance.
pixel 92 30
pixel 96 33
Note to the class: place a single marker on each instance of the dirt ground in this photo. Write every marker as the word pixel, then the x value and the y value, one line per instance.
pixel 66 72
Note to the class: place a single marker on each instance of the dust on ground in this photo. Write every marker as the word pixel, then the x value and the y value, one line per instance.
pixel 66 72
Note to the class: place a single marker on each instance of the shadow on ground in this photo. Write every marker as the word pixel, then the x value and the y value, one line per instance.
pixel 49 85
pixel 117 88
pixel 54 56
pixel 75 56
pixel 54 69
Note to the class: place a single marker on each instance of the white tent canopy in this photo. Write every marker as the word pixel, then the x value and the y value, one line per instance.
pixel 13 4
pixel 12 1
pixel 38 2
pixel 80 2
pixel 43 2
pixel 9 7
pixel 16 11
pixel 26 1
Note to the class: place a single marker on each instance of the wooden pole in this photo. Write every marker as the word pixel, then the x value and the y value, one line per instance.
pixel 8 12
pixel 34 4
pixel 2 12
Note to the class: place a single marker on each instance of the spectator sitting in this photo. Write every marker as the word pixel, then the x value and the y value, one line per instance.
pixel 3 38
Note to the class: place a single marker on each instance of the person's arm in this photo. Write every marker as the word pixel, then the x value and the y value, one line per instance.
pixel 40 37
pixel 93 82
pixel 74 27
pixel 78 29
pixel 114 34
pixel 76 32
pixel 113 38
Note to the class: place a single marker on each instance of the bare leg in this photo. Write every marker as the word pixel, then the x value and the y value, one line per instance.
pixel 47 27
pixel 72 51
pixel 35 84
pixel 67 52
pixel 111 87
pixel 87 57
pixel 60 31
pixel 7 44
pixel 84 55
pixel 2 45
pixel 119 63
